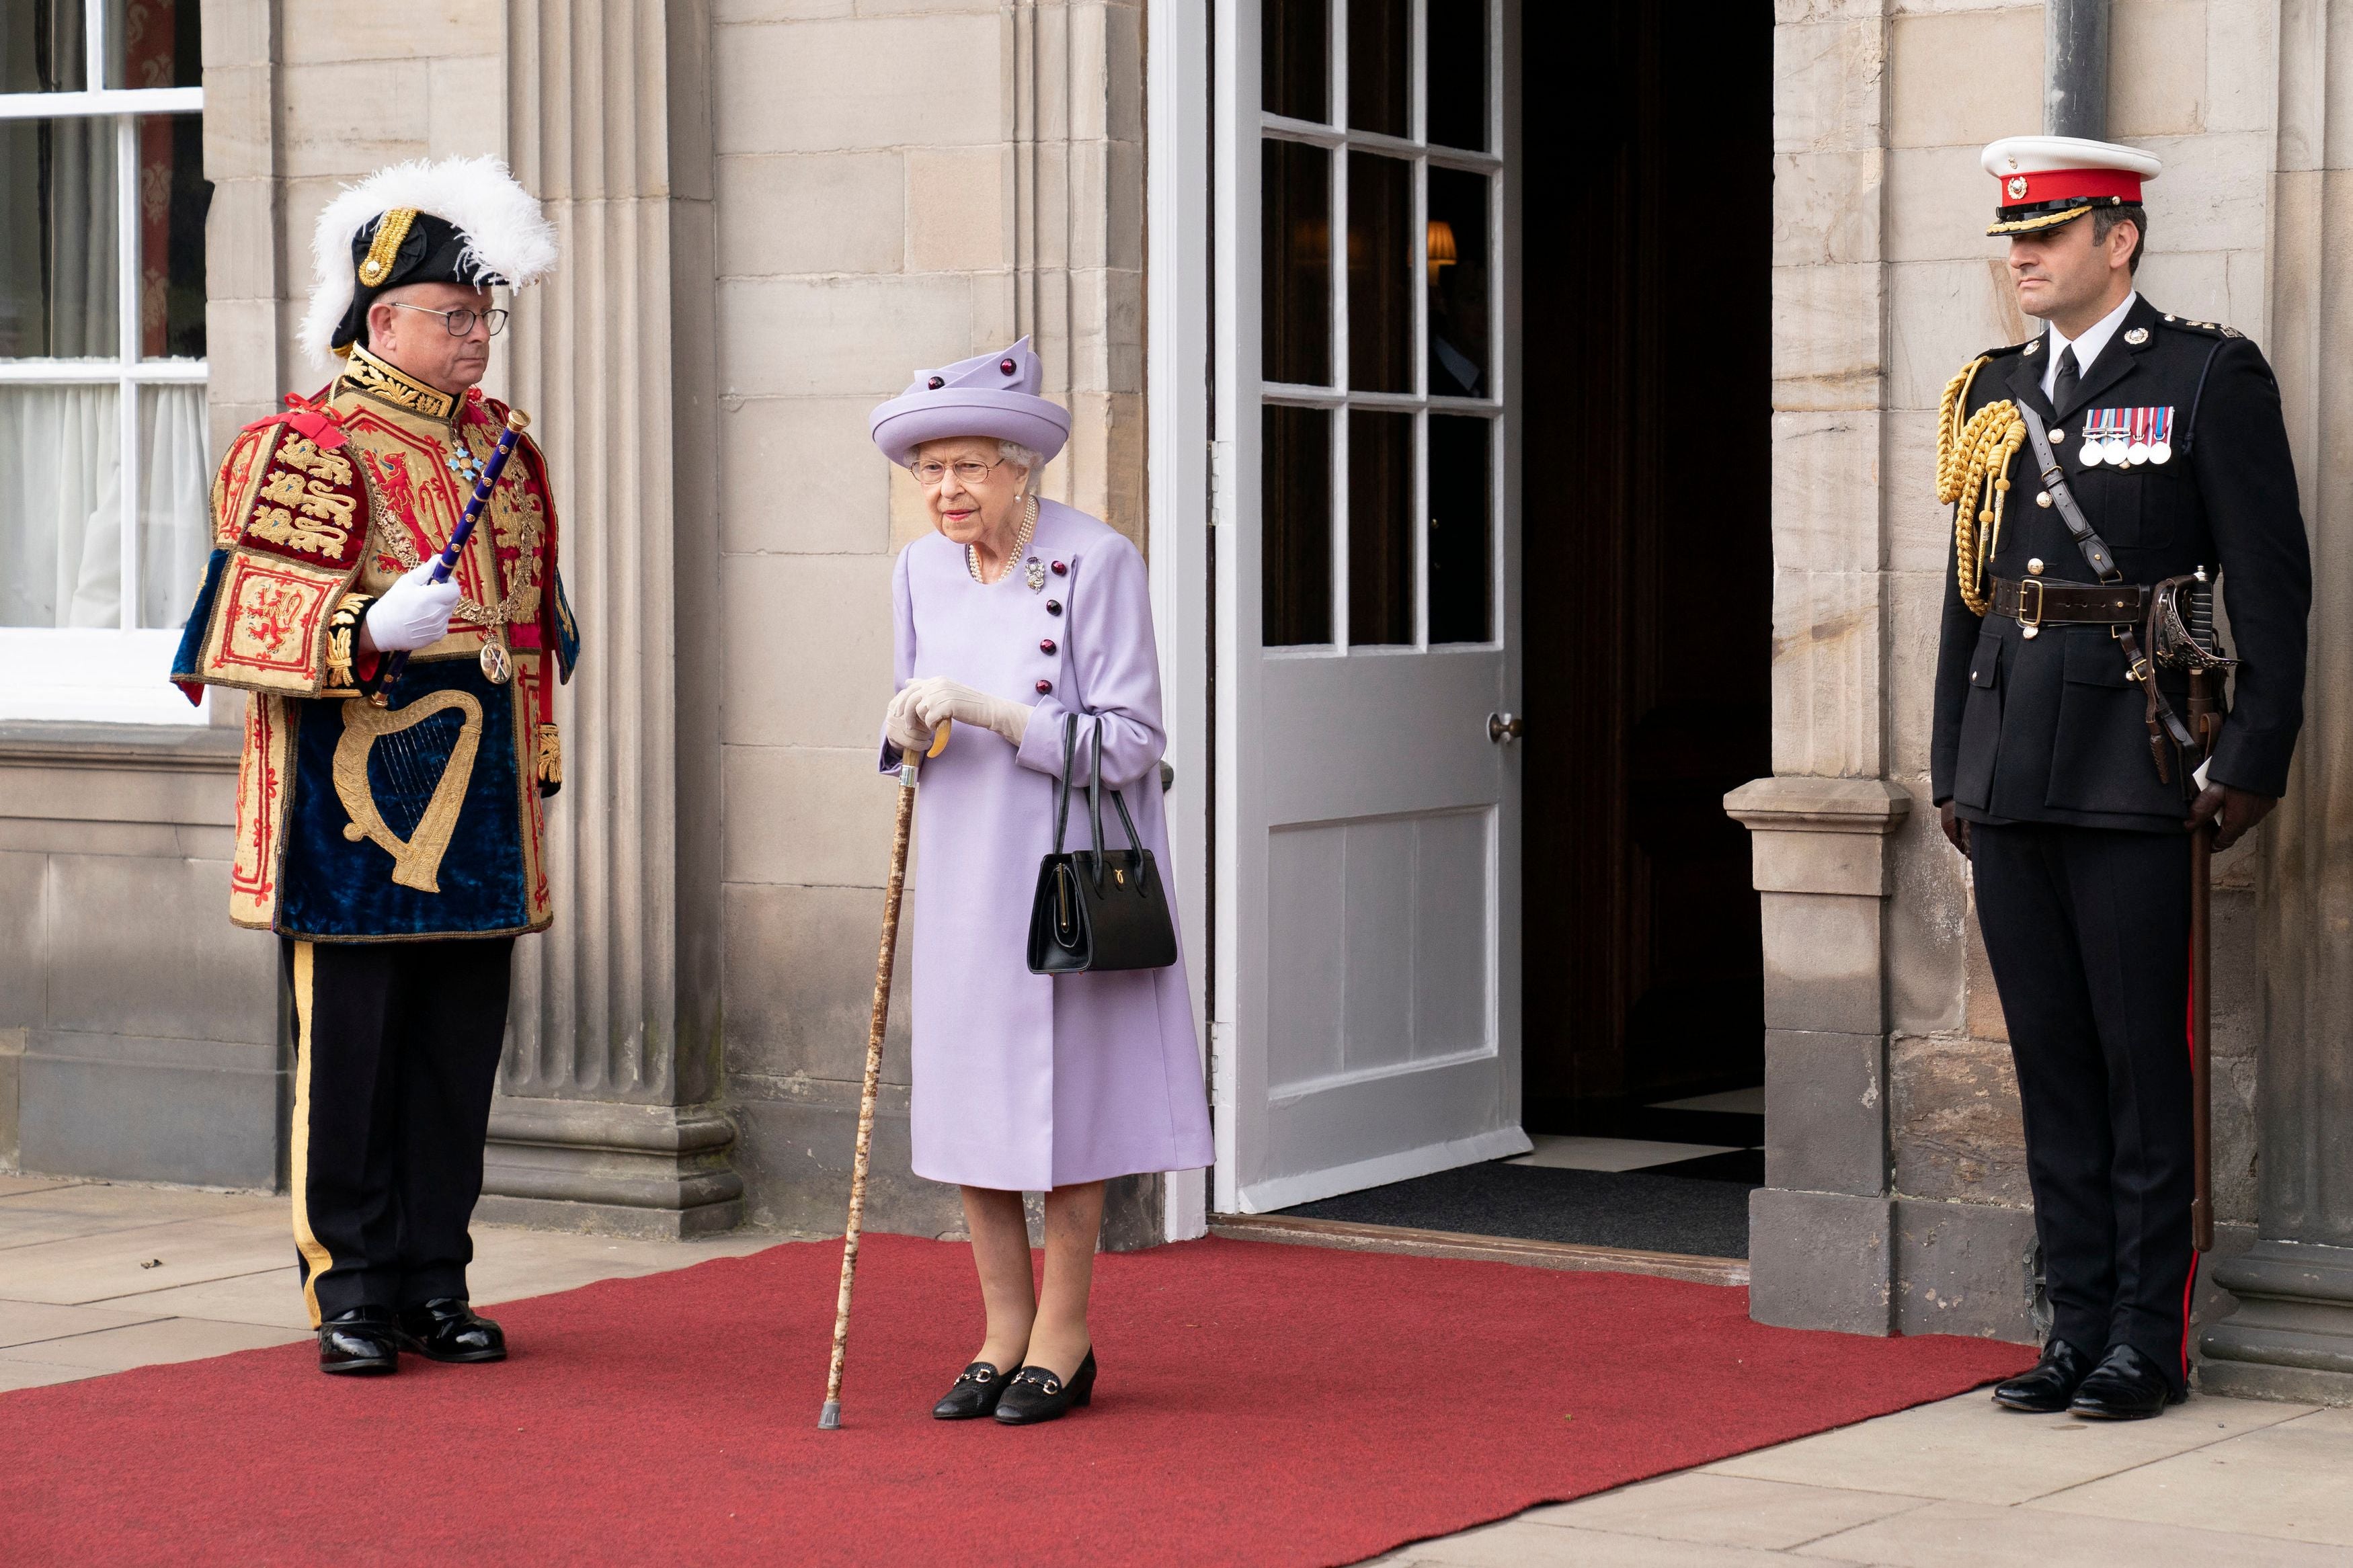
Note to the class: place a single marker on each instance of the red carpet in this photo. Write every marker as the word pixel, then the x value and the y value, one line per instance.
pixel 1260 1405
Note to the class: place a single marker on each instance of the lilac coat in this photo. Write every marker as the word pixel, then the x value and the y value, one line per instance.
pixel 1024 1081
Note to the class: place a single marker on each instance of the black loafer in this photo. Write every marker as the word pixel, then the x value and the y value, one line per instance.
pixel 362 1342
pixel 447 1329
pixel 978 1389
pixel 1034 1395
pixel 2046 1390
pixel 2126 1386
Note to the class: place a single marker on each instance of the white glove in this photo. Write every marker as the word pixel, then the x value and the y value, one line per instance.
pixel 414 612
pixel 902 728
pixel 936 697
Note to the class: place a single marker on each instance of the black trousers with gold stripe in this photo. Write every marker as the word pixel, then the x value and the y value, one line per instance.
pixel 396 1052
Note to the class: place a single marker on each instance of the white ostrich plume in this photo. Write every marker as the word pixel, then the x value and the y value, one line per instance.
pixel 505 231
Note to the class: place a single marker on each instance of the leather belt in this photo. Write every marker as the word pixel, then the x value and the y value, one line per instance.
pixel 2035 602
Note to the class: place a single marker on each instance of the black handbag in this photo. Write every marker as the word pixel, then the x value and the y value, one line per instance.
pixel 1099 909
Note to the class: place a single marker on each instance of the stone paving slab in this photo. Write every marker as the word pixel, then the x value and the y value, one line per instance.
pixel 1727 1510
pixel 102 1269
pixel 2293 1479
pixel 150 1345
pixel 1986 1535
pixel 30 1323
pixel 1969 1449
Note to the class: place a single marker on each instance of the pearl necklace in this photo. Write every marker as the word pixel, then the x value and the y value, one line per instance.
pixel 1020 544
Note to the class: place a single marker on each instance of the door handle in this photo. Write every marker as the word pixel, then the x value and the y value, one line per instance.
pixel 1504 728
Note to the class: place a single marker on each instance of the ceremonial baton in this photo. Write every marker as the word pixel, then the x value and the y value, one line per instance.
pixel 831 1418
pixel 447 563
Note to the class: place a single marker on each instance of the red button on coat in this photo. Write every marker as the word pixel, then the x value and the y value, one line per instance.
pixel 1044 687
pixel 1060 570
pixel 1053 607
pixel 1045 644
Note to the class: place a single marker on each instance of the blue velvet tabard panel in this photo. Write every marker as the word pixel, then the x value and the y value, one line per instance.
pixel 192 637
pixel 339 888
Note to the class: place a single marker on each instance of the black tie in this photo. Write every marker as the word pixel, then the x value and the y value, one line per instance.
pixel 2063 385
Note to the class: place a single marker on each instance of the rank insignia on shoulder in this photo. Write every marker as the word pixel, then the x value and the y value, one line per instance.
pixel 2127 437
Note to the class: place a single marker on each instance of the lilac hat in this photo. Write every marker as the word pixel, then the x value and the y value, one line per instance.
pixel 989 396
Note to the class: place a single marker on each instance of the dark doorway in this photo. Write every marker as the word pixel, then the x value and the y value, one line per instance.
pixel 1647 568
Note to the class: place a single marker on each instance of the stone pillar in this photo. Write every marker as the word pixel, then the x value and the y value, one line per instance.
pixel 607 1117
pixel 1821 1242
pixel 2292 1336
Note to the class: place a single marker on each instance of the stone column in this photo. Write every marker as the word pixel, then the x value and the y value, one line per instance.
pixel 2292 1336
pixel 608 1116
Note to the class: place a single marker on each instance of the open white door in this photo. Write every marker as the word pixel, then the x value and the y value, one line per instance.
pixel 1369 837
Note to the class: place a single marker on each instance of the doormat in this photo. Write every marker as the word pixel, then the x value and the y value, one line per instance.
pixel 1260 1405
pixel 1542 1202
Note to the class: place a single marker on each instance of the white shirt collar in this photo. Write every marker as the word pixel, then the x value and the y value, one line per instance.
pixel 2089 347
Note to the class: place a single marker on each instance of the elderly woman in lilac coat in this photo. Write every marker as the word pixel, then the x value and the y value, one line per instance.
pixel 1015 612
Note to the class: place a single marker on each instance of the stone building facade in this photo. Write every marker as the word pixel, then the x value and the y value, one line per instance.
pixel 772 210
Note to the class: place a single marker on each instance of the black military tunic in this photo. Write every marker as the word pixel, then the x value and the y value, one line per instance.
pixel 2080 862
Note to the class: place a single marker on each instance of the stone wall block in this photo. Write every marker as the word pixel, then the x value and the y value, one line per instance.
pixel 238 119
pixel 837 499
pixel 782 213
pixel 1928 923
pixel 2215 193
pixel 241 253
pixel 1957 1130
pixel 333 32
pixel 1828 86
pixel 1827 337
pixel 1822 964
pixel 345 118
pixel 804 336
pixel 1919 527
pixel 808 1019
pixel 1821 1260
pixel 828 86
pixel 467 112
pixel 795 1154
pixel 1916 616
pixel 1826 488
pixel 1826 207
pixel 1966 1268
pixel 1939 200
pixel 24 940
pixel 150 1109
pixel 2241 56
pixel 1946 314
pixel 801 815
pixel 1964 78
pixel 2158 68
pixel 107 975
pixel 1825 1112
pixel 958 215
pixel 819 677
pixel 1827 668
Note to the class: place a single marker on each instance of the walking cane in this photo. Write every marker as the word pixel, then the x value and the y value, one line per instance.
pixel 2203 722
pixel 830 1419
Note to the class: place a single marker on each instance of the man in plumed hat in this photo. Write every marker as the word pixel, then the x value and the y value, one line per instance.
pixel 399 738
pixel 2108 474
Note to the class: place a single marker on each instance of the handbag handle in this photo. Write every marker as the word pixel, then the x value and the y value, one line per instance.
pixel 1094 809
pixel 1062 784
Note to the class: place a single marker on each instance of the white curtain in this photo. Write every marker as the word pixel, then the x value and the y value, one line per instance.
pixel 62 505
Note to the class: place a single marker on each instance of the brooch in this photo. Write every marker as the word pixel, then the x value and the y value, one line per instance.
pixel 1034 573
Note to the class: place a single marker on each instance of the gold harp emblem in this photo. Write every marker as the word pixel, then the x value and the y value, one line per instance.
pixel 417 859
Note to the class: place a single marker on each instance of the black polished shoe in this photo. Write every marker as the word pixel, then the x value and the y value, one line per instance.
pixel 2046 1390
pixel 1034 1395
pixel 2126 1386
pixel 362 1342
pixel 447 1329
pixel 978 1389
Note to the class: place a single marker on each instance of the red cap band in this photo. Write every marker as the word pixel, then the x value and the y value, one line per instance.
pixel 2069 185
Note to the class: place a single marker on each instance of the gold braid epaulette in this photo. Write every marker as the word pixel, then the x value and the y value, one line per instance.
pixel 1973 477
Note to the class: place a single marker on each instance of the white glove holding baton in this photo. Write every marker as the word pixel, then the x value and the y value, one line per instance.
pixel 922 706
pixel 414 612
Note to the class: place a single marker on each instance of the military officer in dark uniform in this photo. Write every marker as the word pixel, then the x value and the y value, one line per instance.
pixel 2058 769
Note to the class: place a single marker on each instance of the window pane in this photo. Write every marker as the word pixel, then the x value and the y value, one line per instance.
pixel 57 239
pixel 60 507
pixel 1380 528
pixel 1455 104
pixel 172 197
pixel 1458 284
pixel 1295 219
pixel 1377 58
pixel 1380 260
pixel 41 47
pixel 1462 500
pixel 1295 503
pixel 1295 66
pixel 176 532
pixel 154 43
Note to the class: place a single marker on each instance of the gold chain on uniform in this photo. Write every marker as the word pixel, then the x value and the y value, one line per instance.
pixel 1973 477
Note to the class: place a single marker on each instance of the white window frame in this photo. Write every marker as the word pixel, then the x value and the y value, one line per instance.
pixel 92 673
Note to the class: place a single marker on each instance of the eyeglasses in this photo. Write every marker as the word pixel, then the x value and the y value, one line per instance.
pixel 970 471
pixel 461 321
